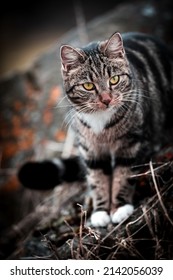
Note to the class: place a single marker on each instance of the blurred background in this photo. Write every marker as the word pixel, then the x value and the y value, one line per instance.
pixel 32 127
pixel 29 28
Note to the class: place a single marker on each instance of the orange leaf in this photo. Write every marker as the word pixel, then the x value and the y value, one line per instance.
pixel 54 95
pixel 60 135
pixel 11 184
pixel 47 117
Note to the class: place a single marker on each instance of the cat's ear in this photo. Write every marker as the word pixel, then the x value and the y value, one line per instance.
pixel 70 56
pixel 113 47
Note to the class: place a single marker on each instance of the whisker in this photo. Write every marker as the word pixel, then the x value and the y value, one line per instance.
pixel 63 106
pixel 61 100
pixel 139 90
pixel 134 101
pixel 72 113
pixel 131 92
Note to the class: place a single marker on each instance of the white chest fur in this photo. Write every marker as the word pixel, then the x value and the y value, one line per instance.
pixel 98 120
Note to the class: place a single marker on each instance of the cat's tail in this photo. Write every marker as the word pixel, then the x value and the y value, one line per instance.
pixel 47 174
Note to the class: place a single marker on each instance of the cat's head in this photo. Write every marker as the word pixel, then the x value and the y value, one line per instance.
pixel 96 76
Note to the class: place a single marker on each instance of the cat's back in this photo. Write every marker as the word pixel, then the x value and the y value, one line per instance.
pixel 152 62
pixel 151 52
pixel 134 39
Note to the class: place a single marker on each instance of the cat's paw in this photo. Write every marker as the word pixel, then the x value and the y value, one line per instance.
pixel 100 219
pixel 122 213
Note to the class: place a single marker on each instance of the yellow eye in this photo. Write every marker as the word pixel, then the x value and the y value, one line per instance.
pixel 88 86
pixel 114 80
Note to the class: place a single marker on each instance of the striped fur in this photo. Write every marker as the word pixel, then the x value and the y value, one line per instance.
pixel 117 127
pixel 122 125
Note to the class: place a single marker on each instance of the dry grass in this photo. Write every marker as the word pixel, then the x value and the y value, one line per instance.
pixel 59 227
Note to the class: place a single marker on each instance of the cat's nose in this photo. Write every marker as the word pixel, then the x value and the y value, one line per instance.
pixel 105 98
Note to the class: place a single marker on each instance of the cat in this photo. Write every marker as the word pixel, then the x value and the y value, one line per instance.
pixel 121 95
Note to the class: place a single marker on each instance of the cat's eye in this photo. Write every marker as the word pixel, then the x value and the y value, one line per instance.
pixel 114 80
pixel 88 86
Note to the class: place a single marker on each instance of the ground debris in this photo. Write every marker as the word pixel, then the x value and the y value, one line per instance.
pixel 65 232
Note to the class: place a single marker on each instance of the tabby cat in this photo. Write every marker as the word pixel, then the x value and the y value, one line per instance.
pixel 121 94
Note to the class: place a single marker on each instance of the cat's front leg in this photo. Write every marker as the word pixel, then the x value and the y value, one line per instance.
pixel 122 194
pixel 99 182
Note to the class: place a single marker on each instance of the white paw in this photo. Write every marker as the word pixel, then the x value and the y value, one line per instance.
pixel 100 219
pixel 122 213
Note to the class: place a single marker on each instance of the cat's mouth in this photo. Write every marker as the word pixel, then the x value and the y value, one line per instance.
pixel 104 106
pixel 107 101
pixel 98 107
